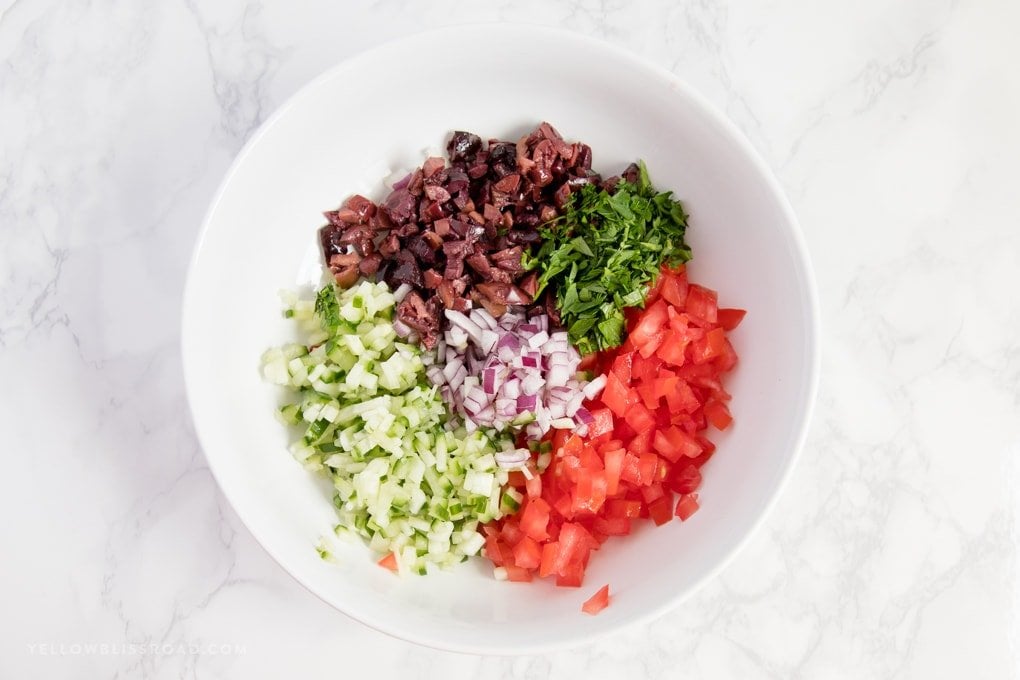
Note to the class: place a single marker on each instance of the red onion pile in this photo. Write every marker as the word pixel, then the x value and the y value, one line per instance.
pixel 511 372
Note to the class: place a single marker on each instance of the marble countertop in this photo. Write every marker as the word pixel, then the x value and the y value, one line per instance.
pixel 892 553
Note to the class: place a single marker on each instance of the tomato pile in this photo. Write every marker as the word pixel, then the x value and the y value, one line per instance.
pixel 642 455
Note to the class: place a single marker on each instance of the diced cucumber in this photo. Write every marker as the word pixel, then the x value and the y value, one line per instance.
pixel 405 478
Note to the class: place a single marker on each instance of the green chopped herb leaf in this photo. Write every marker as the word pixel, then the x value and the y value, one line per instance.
pixel 604 252
pixel 328 308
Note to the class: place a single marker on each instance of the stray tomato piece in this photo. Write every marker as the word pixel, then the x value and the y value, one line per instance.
pixel 731 318
pixel 389 561
pixel 687 506
pixel 597 602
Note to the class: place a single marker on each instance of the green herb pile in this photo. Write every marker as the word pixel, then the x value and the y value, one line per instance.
pixel 602 254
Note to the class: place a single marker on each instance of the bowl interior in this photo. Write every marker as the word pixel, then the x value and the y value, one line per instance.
pixel 381 111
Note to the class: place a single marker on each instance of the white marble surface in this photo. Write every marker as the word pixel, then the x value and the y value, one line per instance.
pixel 892 554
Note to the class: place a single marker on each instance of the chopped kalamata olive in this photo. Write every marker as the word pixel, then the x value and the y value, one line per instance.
pixel 400 206
pixel 457 229
pixel 632 173
pixel 463 146
pixel 370 265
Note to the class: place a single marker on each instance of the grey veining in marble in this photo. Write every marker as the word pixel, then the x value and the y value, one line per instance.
pixel 893 552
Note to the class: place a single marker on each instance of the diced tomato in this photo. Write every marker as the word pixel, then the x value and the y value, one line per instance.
pixel 650 323
pixel 652 492
pixel 597 602
pixel 643 449
pixel 645 369
pixel 602 423
pixel 498 551
pixel 682 444
pixel 661 509
pixel 701 303
pixel 612 526
pixel 685 479
pixel 630 473
pixel 534 486
pixel 641 443
pixel 550 552
pixel 535 519
pixel 617 396
pixel 711 346
pixel 682 398
pixel 517 573
pixel 687 506
pixel 613 461
pixel 389 561
pixel 574 544
pixel 590 492
pixel 560 438
pixel 516 479
pixel 652 343
pixel 718 414
pixel 573 446
pixel 622 366
pixel 511 532
pixel 730 318
pixel 646 468
pixel 673 349
pixel 527 553
pixel 639 417
pixel 572 575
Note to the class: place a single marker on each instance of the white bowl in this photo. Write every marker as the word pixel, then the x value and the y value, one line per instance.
pixel 342 133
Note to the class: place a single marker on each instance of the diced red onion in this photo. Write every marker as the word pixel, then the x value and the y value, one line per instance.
pixel 498 369
pixel 401 292
pixel 512 459
pixel 594 388
pixel 538 339
pixel 402 329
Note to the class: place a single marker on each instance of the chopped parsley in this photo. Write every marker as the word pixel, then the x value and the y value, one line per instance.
pixel 602 254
